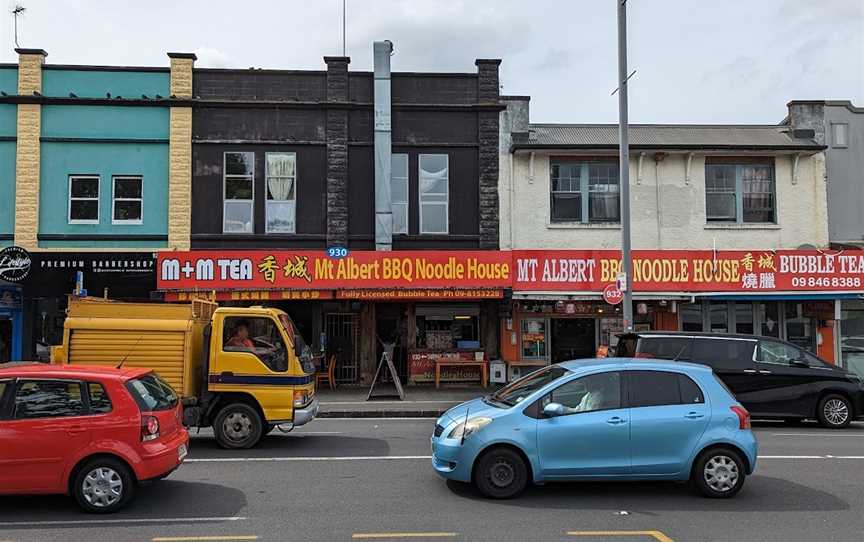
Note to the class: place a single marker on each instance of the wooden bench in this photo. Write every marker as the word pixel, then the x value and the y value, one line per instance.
pixel 484 369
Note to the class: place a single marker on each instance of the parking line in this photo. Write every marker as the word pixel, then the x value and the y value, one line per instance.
pixel 203 538
pixel 825 434
pixel 117 521
pixel 371 536
pixel 657 535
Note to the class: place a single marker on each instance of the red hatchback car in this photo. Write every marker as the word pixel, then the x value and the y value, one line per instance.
pixel 92 432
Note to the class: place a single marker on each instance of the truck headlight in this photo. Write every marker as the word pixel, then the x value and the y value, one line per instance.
pixel 467 428
pixel 301 398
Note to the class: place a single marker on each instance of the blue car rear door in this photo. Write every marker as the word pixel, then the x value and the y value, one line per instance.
pixel 668 415
pixel 592 436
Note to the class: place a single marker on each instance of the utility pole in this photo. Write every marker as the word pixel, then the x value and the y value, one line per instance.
pixel 624 165
pixel 344 9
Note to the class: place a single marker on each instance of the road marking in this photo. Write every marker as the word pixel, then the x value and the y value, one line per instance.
pixel 811 457
pixel 367 536
pixel 826 434
pixel 202 538
pixel 657 535
pixel 370 403
pixel 343 458
pixel 118 521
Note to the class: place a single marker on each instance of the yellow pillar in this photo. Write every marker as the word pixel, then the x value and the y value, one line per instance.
pixel 180 154
pixel 27 153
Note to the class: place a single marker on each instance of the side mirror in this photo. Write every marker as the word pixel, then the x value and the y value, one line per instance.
pixel 800 362
pixel 553 409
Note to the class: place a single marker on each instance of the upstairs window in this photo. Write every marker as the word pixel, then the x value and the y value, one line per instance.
pixel 127 203
pixel 839 135
pixel 434 193
pixel 399 192
pixel 239 175
pixel 584 191
pixel 83 199
pixel 740 193
pixel 281 173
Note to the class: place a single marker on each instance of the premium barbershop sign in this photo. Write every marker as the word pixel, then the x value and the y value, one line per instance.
pixel 525 270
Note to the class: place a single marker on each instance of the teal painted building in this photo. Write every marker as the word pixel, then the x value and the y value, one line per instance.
pixel 8 123
pixel 104 158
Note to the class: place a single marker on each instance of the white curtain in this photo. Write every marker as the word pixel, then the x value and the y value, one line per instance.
pixel 280 176
pixel 430 180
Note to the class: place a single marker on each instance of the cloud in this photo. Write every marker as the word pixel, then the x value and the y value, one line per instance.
pixel 210 57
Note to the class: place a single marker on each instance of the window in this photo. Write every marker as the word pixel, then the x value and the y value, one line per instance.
pixel 664 347
pixel 152 393
pixel 742 193
pixel 258 336
pixel 600 391
pixel 723 353
pixel 83 199
pixel 691 394
pixel 533 338
pixel 584 192
pixel 691 317
pixel 777 353
pixel 48 399
pixel 399 192
pixel 653 388
pixel 744 318
pixel 516 392
pixel 718 317
pixel 99 401
pixel 839 135
pixel 127 202
pixel 434 193
pixel 281 172
pixel 239 192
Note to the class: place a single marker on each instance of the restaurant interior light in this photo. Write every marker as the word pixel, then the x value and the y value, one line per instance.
pixel 461 317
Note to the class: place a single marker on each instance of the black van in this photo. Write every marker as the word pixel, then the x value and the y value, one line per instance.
pixel 771 378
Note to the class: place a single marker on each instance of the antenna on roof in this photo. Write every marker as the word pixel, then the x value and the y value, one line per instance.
pixel 344 8
pixel 122 361
pixel 19 9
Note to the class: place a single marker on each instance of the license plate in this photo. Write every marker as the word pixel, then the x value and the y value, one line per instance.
pixel 182 452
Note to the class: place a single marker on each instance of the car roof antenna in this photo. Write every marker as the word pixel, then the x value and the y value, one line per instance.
pixel 122 361
pixel 678 355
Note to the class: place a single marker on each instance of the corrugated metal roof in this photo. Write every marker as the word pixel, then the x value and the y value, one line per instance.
pixel 655 135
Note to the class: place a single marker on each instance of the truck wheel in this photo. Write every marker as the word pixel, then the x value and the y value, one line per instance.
pixel 238 426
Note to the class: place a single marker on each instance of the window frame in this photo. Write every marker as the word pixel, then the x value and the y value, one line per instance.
pixel 585 190
pixel 115 199
pixel 834 144
pixel 89 403
pixel 420 193
pixel 5 393
pixel 225 200
pixel 407 202
pixel 757 353
pixel 267 200
pixel 623 398
pixel 228 325
pixel 739 191
pixel 12 407
pixel 70 198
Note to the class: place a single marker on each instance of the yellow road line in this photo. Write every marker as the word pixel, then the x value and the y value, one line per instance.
pixel 657 535
pixel 368 536
pixel 204 538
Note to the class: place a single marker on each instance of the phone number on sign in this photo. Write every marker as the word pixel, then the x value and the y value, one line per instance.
pixel 827 282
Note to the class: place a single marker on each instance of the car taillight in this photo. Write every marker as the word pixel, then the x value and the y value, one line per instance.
pixel 643 355
pixel 743 417
pixel 149 428
pixel 301 397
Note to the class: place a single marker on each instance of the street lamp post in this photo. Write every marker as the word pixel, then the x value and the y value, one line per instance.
pixel 624 165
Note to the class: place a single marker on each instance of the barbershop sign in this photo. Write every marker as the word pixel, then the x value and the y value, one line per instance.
pixel 525 270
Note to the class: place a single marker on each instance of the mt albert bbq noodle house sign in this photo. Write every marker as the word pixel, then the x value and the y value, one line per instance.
pixel 370 275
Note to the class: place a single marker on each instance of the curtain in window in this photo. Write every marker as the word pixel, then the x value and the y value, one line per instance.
pixel 280 176
pixel 433 182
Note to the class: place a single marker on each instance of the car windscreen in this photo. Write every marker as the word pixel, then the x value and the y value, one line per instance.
pixel 301 349
pixel 518 391
pixel 152 393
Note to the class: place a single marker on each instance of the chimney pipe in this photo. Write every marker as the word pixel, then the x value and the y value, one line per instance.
pixel 383 146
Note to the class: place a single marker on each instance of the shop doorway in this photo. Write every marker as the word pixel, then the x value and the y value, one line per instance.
pixel 5 340
pixel 341 333
pixel 573 338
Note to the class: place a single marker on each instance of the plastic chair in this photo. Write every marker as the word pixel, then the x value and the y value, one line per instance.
pixel 330 376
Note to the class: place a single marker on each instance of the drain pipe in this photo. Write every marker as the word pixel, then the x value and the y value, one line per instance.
pixel 382 50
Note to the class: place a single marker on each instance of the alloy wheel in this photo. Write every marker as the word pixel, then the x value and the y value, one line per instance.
pixel 721 473
pixel 102 487
pixel 836 411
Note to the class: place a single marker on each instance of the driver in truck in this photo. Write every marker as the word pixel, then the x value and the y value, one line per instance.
pixel 240 337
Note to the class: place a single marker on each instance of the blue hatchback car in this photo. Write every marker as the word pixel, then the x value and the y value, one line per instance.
pixel 611 419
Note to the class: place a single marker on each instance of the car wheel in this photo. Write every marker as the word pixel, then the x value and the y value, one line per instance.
pixel 238 426
pixel 835 411
pixel 500 474
pixel 719 473
pixel 103 485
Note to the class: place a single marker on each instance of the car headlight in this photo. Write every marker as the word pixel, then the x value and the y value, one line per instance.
pixel 467 428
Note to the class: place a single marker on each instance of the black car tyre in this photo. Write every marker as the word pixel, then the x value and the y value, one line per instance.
pixel 238 426
pixel 103 485
pixel 834 411
pixel 719 473
pixel 500 474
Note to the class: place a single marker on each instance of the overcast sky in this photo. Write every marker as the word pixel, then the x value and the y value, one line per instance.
pixel 697 61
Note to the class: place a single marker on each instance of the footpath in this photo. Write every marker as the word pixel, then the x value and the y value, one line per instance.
pixel 420 402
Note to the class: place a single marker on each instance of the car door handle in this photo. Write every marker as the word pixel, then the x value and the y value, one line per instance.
pixel 750 371
pixel 694 415
pixel 616 420
pixel 763 372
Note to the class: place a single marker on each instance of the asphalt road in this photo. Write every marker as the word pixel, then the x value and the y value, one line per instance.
pixel 371 480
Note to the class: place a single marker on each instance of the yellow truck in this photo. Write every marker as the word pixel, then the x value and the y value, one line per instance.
pixel 243 371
